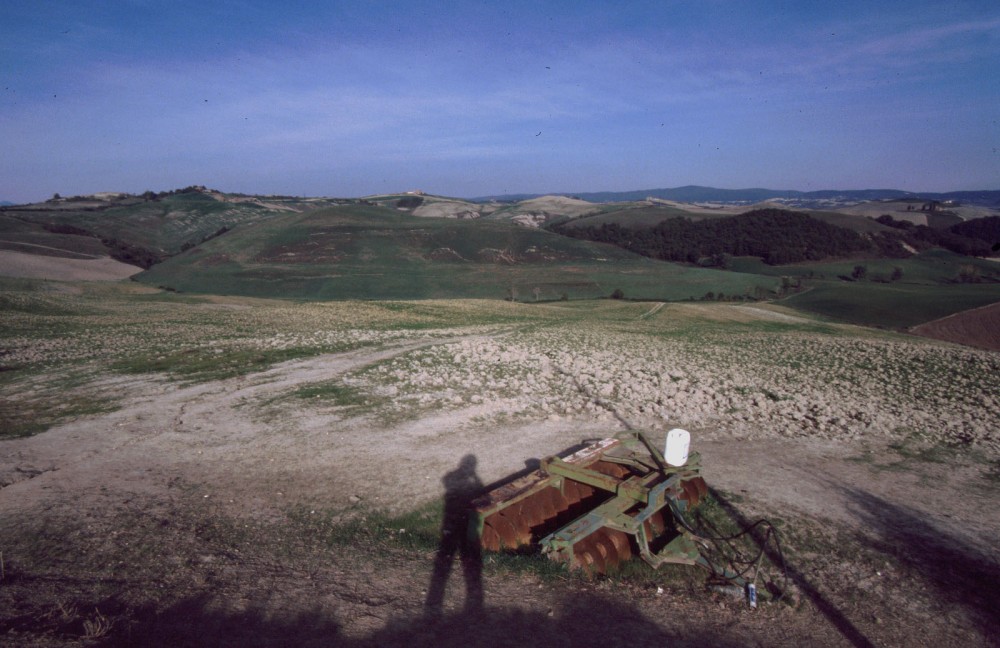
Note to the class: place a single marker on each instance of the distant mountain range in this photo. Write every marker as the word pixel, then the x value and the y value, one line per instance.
pixel 698 194
pixel 825 198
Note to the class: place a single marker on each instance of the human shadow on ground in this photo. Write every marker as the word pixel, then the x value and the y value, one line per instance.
pixel 952 569
pixel 198 621
pixel 461 486
pixel 586 619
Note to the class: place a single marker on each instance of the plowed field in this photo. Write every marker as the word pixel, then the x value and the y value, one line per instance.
pixel 979 327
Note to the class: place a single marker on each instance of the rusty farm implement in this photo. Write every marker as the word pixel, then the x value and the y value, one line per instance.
pixel 613 500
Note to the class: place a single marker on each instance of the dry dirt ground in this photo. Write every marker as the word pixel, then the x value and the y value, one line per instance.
pixel 36 266
pixel 215 513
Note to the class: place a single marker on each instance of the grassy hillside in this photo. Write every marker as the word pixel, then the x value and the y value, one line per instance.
pixel 929 285
pixel 897 306
pixel 409 246
pixel 31 237
pixel 164 226
pixel 632 216
pixel 370 252
pixel 934 266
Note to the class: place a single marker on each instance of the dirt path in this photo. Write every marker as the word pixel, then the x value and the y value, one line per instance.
pixel 656 308
pixel 210 434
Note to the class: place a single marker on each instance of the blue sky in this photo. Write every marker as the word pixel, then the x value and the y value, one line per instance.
pixel 475 98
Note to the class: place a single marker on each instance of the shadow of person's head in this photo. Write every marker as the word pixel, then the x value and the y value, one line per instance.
pixel 467 465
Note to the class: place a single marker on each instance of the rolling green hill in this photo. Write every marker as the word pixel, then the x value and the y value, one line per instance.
pixel 30 237
pixel 637 215
pixel 371 252
pixel 926 286
pixel 894 306
pixel 162 225
pixel 420 246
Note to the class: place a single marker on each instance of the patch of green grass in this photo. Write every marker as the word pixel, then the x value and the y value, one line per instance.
pixel 21 418
pixel 932 267
pixel 419 529
pixel 895 306
pixel 205 365
pixel 336 392
pixel 533 563
pixel 915 448
pixel 34 303
pixel 935 453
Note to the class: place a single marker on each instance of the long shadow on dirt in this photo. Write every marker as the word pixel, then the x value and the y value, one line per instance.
pixel 193 622
pixel 589 620
pixel 850 632
pixel 955 572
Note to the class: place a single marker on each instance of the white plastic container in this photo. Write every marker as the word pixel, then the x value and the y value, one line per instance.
pixel 676 449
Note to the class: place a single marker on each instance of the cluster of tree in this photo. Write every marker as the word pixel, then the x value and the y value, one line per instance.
pixel 775 235
pixel 984 229
pixel 860 273
pixel 409 202
pixel 65 228
pixel 56 197
pixel 152 195
pixel 973 238
pixel 132 254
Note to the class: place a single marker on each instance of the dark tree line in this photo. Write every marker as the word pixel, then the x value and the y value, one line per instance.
pixel 117 249
pixel 409 202
pixel 775 235
pixel 972 238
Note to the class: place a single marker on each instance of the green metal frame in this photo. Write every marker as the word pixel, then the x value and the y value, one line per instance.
pixel 657 489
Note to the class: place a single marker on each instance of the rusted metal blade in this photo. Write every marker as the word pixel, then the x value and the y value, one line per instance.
pixel 693 490
pixel 505 528
pixel 607 549
pixel 586 561
pixel 623 547
pixel 701 486
pixel 548 502
pixel 611 469
pixel 574 491
pixel 588 556
pixel 520 522
pixel 656 524
pixel 559 501
pixel 533 512
pixel 489 539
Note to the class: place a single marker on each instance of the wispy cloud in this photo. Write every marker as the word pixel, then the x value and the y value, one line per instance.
pixel 941 42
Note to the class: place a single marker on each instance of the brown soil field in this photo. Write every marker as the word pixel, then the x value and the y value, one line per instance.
pixel 283 505
pixel 979 327
pixel 56 268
